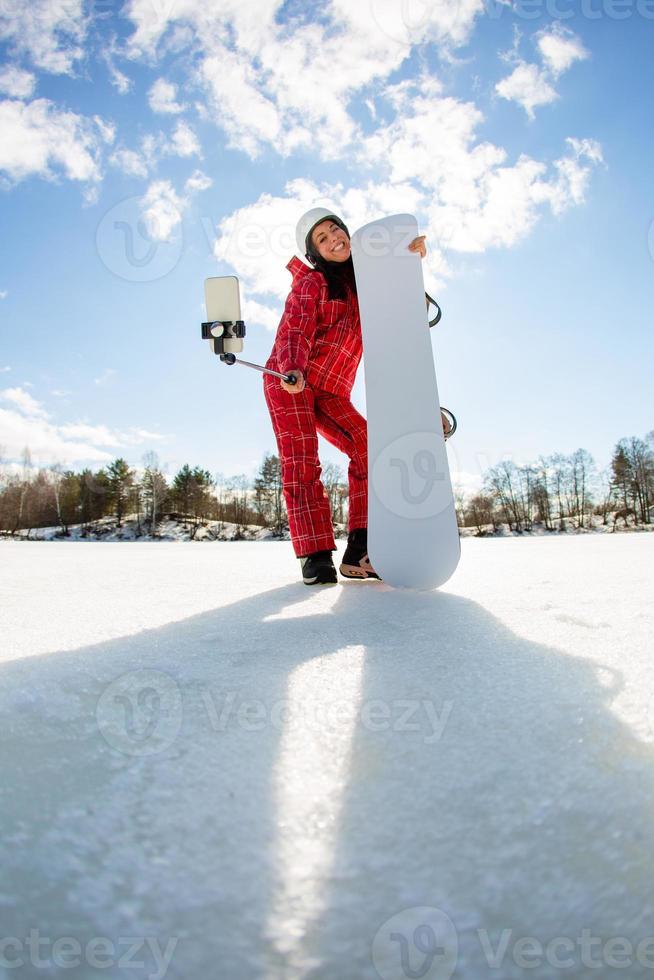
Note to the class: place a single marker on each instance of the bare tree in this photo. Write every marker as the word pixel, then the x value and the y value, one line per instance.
pixel 238 488
pixel 606 496
pixel 640 462
pixel 154 490
pixel 558 467
pixel 333 480
pixel 503 482
pixel 541 495
pixel 581 470
pixel 480 513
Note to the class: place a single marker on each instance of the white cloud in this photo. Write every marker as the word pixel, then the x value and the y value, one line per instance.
pixel 16 82
pixel 50 32
pixel 259 239
pixel 265 78
pixel 24 401
pixel 106 129
pixel 527 85
pixel 468 196
pixel 573 174
pixel 118 79
pixel 27 425
pixel 39 138
pixel 102 435
pixel 259 314
pixel 67 444
pixel 184 142
pixel 249 117
pixel 162 97
pixel 44 441
pixel 138 163
pixel 130 162
pixel 4 293
pixel 197 183
pixel 560 50
pixel 5 370
pixel 162 210
pixel 475 199
pixel 162 207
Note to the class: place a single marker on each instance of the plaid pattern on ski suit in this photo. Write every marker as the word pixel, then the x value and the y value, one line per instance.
pixel 321 338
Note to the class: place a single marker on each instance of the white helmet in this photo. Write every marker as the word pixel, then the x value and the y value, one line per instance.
pixel 308 222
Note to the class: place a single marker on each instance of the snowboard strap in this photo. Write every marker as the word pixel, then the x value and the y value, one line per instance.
pixel 439 312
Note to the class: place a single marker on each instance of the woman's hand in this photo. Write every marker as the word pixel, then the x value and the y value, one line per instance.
pixel 418 245
pixel 298 386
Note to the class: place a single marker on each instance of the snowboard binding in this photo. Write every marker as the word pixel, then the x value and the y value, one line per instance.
pixel 451 418
pixel 432 302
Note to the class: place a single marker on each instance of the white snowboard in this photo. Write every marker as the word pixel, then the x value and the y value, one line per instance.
pixel 413 538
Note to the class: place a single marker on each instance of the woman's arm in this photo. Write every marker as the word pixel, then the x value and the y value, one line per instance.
pixel 297 329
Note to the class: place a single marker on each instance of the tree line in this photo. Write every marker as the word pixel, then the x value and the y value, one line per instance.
pixel 556 492
pixel 559 491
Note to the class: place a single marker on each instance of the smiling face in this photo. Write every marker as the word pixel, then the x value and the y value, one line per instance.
pixel 330 241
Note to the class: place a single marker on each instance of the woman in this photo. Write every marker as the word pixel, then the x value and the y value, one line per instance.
pixel 319 342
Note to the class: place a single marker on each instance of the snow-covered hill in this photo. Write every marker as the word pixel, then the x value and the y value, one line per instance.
pixel 254 779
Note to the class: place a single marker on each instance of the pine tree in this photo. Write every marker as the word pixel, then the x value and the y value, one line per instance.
pixel 182 490
pixel 120 481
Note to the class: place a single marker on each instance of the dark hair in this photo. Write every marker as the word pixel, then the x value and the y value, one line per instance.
pixel 339 275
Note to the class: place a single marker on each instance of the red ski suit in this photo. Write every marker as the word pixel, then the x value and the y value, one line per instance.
pixel 321 338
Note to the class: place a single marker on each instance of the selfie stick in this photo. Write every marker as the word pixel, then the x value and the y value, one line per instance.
pixel 224 331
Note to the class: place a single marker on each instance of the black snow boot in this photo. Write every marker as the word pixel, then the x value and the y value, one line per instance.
pixel 318 568
pixel 356 563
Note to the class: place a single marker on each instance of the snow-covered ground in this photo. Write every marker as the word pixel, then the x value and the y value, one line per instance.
pixel 213 771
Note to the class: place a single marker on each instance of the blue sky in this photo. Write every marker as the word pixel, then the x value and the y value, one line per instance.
pixel 151 144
